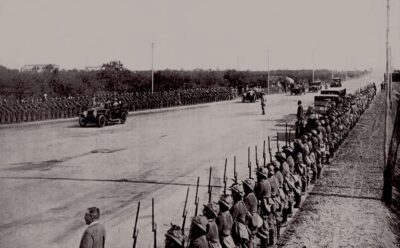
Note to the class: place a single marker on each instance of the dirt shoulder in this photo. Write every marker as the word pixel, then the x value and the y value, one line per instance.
pixel 344 208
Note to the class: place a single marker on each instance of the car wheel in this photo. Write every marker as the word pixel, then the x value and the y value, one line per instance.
pixel 82 122
pixel 123 118
pixel 102 121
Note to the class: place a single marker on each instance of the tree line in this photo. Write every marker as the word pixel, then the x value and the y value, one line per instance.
pixel 114 77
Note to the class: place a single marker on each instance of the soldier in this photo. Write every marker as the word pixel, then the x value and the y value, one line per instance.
pixel 197 234
pixel 263 104
pixel 263 193
pixel 211 211
pixel 250 199
pixel 240 232
pixel 174 237
pixel 300 111
pixel 225 221
pixel 276 205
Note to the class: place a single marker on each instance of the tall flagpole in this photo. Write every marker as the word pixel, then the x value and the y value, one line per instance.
pixel 152 68
pixel 268 72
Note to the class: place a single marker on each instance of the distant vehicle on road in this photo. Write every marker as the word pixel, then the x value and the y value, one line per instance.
pixel 336 82
pixel 297 89
pixel 104 114
pixel 315 86
pixel 338 92
pixel 250 96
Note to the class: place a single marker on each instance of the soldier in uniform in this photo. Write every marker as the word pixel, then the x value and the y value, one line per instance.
pixel 250 199
pixel 211 211
pixel 240 232
pixel 197 234
pixel 225 221
pixel 262 191
pixel 263 104
pixel 174 237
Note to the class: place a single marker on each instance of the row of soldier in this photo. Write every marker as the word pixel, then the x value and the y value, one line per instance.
pixel 68 107
pixel 255 210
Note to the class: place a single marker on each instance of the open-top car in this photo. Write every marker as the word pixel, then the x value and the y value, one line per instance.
pixel 336 82
pixel 250 96
pixel 315 86
pixel 297 89
pixel 104 114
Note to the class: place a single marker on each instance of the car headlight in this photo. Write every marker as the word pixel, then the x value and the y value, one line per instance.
pixel 84 113
pixel 94 113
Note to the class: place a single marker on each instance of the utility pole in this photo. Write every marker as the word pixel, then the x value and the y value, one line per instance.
pixel 152 68
pixel 388 169
pixel 268 72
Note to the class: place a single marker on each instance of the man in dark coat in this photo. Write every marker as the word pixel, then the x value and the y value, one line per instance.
pixel 95 235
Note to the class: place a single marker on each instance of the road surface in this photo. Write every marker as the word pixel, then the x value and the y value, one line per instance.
pixel 51 172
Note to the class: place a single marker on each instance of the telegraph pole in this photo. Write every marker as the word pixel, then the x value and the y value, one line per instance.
pixel 268 72
pixel 152 68
pixel 388 169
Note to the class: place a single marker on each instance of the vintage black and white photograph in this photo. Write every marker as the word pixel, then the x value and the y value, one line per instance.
pixel 199 124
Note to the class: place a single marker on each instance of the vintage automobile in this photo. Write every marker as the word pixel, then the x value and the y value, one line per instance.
pixel 104 114
pixel 250 96
pixel 297 89
pixel 338 92
pixel 336 82
pixel 322 103
pixel 315 86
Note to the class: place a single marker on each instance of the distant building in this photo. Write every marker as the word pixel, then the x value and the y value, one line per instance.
pixel 39 67
pixel 93 68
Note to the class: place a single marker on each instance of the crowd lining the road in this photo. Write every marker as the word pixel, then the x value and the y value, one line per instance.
pixel 254 212
pixel 45 108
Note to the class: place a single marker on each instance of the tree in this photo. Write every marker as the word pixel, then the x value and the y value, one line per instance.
pixel 114 76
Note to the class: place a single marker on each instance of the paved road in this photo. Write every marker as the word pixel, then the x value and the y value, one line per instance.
pixel 51 173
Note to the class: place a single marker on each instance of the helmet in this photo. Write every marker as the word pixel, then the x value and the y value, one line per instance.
pixel 226 200
pixel 249 183
pixel 238 189
pixel 213 208
pixel 201 222
pixel 280 155
pixel 175 234
pixel 262 172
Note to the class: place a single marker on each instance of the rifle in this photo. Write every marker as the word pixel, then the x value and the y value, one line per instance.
pixel 286 134
pixel 153 224
pixel 248 161
pixel 277 141
pixel 264 155
pixel 185 211
pixel 234 170
pixel 225 179
pixel 269 149
pixel 290 132
pixel 196 200
pixel 135 230
pixel 209 186
pixel 257 163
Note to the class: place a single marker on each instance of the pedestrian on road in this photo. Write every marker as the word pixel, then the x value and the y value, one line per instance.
pixel 95 235
pixel 263 104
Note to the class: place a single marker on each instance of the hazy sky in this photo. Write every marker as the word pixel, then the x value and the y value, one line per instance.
pixel 197 34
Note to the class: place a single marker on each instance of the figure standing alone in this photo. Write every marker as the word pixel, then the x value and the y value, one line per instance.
pixel 95 235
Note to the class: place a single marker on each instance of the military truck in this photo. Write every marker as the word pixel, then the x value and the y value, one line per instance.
pixel 315 86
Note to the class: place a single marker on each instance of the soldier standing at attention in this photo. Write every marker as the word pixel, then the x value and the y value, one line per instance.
pixel 95 235
pixel 197 235
pixel 211 212
pixel 263 104
pixel 300 111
